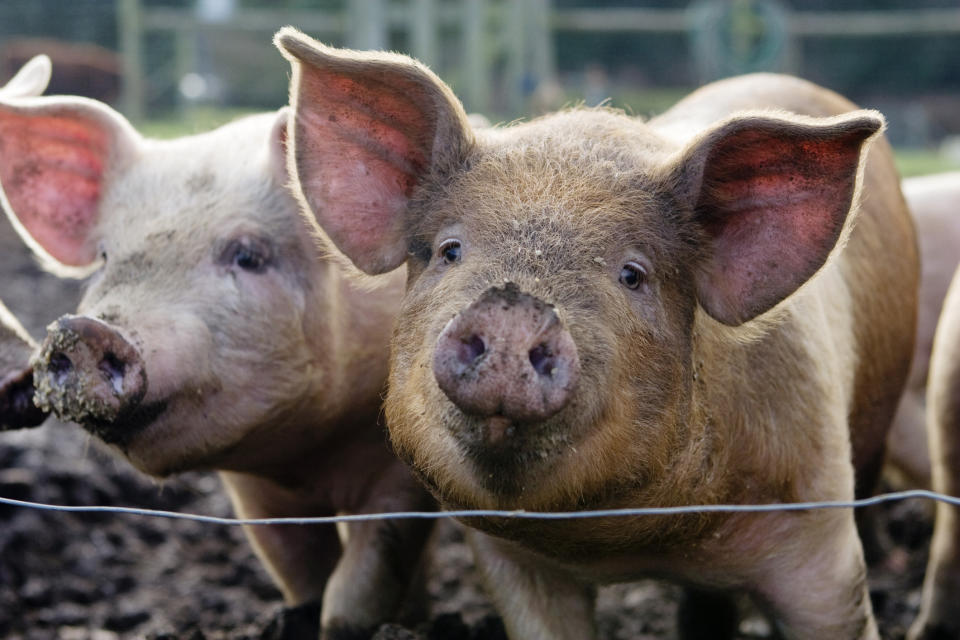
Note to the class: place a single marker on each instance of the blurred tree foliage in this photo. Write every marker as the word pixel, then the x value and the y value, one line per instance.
pixel 860 67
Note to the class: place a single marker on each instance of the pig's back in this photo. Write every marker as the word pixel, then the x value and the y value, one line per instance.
pixel 756 91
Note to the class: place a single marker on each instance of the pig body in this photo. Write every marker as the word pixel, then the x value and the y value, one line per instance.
pixel 218 332
pixel 934 201
pixel 607 313
pixel 938 616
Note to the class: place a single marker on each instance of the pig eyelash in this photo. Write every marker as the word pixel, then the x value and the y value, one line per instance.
pixel 450 251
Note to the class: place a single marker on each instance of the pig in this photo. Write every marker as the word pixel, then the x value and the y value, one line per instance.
pixel 603 312
pixel 219 330
pixel 938 617
pixel 17 409
pixel 934 201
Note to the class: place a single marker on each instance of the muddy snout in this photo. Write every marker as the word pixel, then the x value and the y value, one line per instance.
pixel 507 354
pixel 87 372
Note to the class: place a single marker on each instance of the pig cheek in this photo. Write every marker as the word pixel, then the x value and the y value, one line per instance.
pixel 179 375
pixel 414 403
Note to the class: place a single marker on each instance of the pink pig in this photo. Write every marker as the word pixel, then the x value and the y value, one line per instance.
pixel 16 377
pixel 219 331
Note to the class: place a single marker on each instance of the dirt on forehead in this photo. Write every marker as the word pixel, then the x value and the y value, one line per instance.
pixel 104 577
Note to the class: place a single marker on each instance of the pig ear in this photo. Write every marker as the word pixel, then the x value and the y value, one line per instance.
pixel 56 155
pixel 367 128
pixel 772 195
pixel 31 80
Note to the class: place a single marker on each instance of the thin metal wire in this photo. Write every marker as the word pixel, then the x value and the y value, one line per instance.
pixel 532 515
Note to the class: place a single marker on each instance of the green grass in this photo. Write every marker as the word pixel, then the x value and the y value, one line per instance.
pixel 190 121
pixel 915 162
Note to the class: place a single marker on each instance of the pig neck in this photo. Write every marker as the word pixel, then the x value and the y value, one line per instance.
pixel 339 419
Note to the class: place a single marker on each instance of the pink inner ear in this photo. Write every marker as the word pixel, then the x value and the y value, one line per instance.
pixel 51 170
pixel 775 207
pixel 362 144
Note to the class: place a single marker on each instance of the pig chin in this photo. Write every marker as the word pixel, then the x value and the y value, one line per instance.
pixel 507 456
pixel 124 429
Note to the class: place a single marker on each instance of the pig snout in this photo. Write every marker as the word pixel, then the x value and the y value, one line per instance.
pixel 507 355
pixel 87 372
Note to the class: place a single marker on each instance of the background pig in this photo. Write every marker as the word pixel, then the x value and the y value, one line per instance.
pixel 603 313
pixel 938 616
pixel 16 377
pixel 217 332
pixel 935 203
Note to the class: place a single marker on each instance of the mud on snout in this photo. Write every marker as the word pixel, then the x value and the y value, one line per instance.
pixel 87 372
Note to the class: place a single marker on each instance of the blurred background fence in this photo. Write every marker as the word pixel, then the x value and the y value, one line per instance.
pixel 177 61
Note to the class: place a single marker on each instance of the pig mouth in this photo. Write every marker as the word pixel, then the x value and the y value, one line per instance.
pixel 126 426
pixel 17 409
pixel 506 453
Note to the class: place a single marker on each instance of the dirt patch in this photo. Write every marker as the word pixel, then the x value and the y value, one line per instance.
pixel 102 577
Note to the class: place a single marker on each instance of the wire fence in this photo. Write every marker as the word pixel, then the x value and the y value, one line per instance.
pixel 495 513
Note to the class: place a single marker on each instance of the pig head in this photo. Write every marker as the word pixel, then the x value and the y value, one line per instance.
pixel 603 312
pixel 219 331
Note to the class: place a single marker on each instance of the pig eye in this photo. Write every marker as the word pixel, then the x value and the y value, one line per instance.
pixel 249 260
pixel 632 275
pixel 450 251
pixel 247 254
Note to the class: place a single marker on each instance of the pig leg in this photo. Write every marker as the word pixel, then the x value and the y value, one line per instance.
pixel 939 613
pixel 379 563
pixel 536 600
pixel 818 588
pixel 300 558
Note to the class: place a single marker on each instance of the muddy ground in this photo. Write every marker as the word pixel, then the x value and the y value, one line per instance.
pixel 102 577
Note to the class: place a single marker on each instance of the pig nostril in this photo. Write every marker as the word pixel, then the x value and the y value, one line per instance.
pixel 541 357
pixel 113 368
pixel 59 366
pixel 471 349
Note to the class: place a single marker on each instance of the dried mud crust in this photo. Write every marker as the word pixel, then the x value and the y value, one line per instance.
pixel 102 577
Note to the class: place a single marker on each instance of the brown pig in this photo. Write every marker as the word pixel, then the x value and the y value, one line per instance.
pixel 217 331
pixel 934 201
pixel 939 617
pixel 603 312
